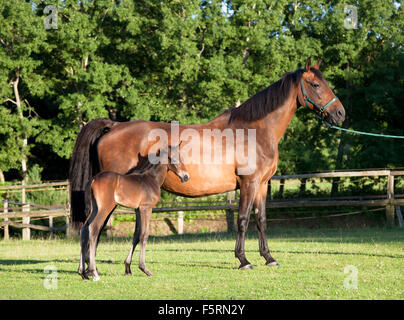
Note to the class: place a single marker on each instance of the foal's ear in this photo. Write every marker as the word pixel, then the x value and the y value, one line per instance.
pixel 317 65
pixel 175 147
pixel 308 65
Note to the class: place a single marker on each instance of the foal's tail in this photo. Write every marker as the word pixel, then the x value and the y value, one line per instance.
pixel 83 166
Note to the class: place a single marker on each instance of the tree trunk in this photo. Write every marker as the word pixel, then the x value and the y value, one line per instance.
pixel 25 231
pixel 2 180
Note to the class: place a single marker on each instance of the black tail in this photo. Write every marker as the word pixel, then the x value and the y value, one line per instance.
pixel 83 166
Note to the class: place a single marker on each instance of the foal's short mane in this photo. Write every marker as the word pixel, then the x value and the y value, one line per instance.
pixel 269 99
pixel 144 166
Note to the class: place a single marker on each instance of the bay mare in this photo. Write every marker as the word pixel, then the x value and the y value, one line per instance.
pixel 268 113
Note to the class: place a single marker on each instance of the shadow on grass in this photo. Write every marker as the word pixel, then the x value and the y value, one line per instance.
pixel 291 252
pixel 11 262
pixel 360 235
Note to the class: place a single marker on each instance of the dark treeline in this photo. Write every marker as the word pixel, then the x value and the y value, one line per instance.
pixel 187 61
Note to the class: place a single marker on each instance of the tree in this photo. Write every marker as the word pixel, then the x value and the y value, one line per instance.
pixel 22 40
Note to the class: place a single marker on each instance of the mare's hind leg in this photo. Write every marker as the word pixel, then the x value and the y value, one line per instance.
pixel 135 241
pixel 261 220
pixel 84 237
pixel 145 213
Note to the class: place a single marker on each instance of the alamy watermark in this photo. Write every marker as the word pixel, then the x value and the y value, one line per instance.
pixel 351 20
pixel 351 280
pixel 51 20
pixel 208 146
pixel 51 281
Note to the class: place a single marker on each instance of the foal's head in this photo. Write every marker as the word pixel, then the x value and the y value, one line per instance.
pixel 168 157
pixel 176 163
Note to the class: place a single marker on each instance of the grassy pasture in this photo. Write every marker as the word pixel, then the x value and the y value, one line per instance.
pixel 203 266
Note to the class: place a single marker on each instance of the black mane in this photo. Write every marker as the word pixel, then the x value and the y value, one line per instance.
pixel 267 100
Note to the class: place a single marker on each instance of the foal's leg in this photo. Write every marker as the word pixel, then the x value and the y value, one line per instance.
pixel 135 241
pixel 95 228
pixel 247 194
pixel 145 212
pixel 261 220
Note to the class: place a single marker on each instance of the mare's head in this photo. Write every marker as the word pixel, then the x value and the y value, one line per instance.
pixel 317 95
pixel 176 163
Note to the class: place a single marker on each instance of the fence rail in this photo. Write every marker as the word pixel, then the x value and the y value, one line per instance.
pixel 390 201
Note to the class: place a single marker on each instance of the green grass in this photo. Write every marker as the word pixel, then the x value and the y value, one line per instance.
pixel 203 266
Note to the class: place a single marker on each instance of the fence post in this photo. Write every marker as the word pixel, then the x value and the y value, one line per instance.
pixel 282 183
pixel 68 229
pixel 269 192
pixel 230 197
pixel 399 216
pixel 5 210
pixel 180 222
pixel 109 227
pixel 390 196
pixel 26 232
pixel 51 226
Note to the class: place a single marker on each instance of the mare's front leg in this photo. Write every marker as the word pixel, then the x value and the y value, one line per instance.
pixel 261 220
pixel 135 241
pixel 247 195
pixel 145 213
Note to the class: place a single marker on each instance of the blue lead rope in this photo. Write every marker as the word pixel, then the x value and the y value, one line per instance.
pixel 322 109
pixel 364 133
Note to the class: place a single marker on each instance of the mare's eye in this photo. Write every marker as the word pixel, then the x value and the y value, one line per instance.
pixel 315 85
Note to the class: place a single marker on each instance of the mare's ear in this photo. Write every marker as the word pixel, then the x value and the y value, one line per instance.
pixel 317 65
pixel 308 65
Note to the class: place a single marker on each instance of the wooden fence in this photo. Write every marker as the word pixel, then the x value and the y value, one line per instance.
pixel 27 211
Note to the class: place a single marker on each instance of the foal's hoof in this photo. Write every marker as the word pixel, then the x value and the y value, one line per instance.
pixel 272 264
pixel 245 267
pixel 148 273
pixel 96 278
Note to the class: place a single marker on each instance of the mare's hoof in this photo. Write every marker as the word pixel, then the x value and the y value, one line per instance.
pixel 92 274
pixel 272 264
pixel 245 267
pixel 128 273
pixel 83 275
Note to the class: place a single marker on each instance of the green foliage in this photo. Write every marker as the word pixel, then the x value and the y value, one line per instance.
pixel 189 60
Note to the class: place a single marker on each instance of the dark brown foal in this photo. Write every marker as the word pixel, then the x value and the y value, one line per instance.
pixel 139 189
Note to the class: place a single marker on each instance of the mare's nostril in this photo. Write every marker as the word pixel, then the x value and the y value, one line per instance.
pixel 341 114
pixel 185 178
